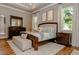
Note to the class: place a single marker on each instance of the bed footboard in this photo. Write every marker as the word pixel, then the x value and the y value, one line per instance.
pixel 34 41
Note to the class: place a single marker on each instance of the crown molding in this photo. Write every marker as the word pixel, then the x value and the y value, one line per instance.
pixel 44 8
pixel 16 9
pixel 2 5
pixel 21 5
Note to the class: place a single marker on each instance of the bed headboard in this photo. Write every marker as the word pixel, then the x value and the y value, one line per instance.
pixel 48 24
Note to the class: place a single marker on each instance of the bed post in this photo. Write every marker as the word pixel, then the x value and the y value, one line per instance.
pixel 57 29
pixel 35 42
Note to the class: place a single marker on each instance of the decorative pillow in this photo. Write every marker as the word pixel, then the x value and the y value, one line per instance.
pixel 24 36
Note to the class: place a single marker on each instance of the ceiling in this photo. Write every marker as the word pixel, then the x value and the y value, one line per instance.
pixel 30 7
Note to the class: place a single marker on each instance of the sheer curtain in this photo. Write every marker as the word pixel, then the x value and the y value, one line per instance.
pixel 75 33
pixel 35 21
pixel 2 25
pixel 59 17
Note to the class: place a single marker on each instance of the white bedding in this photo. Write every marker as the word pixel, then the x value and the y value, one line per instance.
pixel 43 35
pixel 45 32
pixel 47 36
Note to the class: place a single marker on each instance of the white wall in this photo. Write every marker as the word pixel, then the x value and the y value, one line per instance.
pixel 7 12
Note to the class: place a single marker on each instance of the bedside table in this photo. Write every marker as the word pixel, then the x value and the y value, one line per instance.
pixel 64 38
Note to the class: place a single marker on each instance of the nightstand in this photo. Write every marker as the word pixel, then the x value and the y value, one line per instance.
pixel 64 38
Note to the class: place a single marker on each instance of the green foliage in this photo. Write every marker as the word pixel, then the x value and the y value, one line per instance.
pixel 68 12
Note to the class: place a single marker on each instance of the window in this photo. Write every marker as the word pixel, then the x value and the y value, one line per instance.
pixel 44 16
pixel 35 26
pixel 67 14
pixel 50 15
pixel 2 25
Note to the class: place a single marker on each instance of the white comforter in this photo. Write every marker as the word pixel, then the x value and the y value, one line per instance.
pixel 43 35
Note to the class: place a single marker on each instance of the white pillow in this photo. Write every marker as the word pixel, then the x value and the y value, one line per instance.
pixel 24 36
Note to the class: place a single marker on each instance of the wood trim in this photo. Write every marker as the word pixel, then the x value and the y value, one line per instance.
pixel 34 41
pixel 65 51
pixel 16 17
pixel 75 47
pixel 4 20
pixel 64 38
pixel 47 23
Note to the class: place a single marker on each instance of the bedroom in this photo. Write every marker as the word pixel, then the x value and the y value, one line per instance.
pixel 63 15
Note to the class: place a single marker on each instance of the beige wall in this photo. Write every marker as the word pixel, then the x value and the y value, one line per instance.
pixel 7 12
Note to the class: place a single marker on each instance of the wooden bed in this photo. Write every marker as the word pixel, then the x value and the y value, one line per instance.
pixel 35 40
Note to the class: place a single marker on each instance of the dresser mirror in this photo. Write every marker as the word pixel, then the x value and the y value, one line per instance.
pixel 16 21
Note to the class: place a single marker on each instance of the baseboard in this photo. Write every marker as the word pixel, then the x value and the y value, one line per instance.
pixel 75 47
pixel 3 38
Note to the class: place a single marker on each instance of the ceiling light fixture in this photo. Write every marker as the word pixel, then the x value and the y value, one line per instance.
pixel 33 6
pixel 30 4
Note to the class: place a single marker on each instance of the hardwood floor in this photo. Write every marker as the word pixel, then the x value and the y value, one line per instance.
pixel 65 51
pixel 5 49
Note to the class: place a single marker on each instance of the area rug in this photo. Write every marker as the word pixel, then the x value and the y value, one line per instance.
pixel 5 49
pixel 46 49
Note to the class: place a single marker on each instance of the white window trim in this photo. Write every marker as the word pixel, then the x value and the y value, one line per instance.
pixel 33 25
pixel 60 20
pixel 43 16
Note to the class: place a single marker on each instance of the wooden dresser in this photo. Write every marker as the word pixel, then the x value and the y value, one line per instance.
pixel 64 38
pixel 15 31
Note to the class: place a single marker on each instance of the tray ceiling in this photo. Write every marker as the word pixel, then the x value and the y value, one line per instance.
pixel 30 7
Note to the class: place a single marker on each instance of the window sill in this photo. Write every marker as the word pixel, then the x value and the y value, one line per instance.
pixel 2 34
pixel 67 31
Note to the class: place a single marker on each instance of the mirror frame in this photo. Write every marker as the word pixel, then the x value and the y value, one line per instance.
pixel 16 17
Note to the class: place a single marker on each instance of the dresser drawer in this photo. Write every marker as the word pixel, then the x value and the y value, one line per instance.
pixel 64 38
